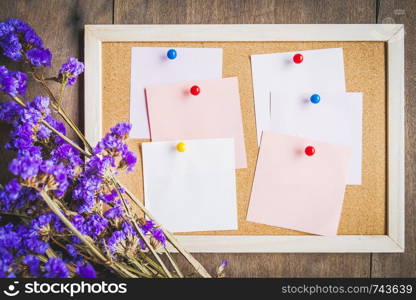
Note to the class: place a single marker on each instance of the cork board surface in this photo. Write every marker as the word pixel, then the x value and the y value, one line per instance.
pixel 364 209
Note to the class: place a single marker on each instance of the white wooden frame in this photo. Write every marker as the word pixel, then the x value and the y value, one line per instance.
pixel 392 34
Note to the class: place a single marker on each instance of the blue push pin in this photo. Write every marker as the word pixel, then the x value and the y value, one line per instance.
pixel 172 54
pixel 315 98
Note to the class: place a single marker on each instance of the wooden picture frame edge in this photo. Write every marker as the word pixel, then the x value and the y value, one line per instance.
pixel 392 34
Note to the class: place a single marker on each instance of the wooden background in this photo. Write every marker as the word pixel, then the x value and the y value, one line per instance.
pixel 61 22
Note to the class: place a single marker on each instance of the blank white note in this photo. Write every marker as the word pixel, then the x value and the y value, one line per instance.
pixel 193 190
pixel 150 66
pixel 320 70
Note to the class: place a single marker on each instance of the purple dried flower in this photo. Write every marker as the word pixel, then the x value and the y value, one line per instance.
pixel 129 159
pixel 85 191
pixel 124 241
pixel 156 232
pixel 224 263
pixel 115 212
pixel 25 166
pixel 112 145
pixel 43 133
pixel 30 117
pixel 116 241
pixel 33 263
pixel 12 83
pixel 148 226
pixel 9 42
pixel 71 69
pixel 6 203
pixel 6 259
pixel 27 129
pixel 47 166
pixel 61 179
pixel 45 161
pixel 9 111
pixel 16 37
pixel 41 104
pixel 39 57
pixel 109 198
pixel 72 250
pixel 26 133
pixel 9 238
pixel 68 154
pixel 79 222
pixel 56 268
pixel 57 125
pixel 45 224
pixel 109 143
pixel 128 229
pixel 88 188
pixel 85 270
pixel 13 189
pixel 30 36
pixel 159 236
pixel 221 269
pixel 94 225
pixel 121 130
pixel 36 245
pixel 40 225
pixel 11 199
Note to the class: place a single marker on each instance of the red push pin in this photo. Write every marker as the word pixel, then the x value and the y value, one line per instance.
pixel 195 90
pixel 309 151
pixel 297 58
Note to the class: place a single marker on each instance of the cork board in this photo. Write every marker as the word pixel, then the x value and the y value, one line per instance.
pixel 364 209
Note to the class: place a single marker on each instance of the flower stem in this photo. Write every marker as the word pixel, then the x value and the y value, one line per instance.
pixel 77 131
pixel 172 261
pixel 139 231
pixel 141 267
pixel 197 266
pixel 132 270
pixel 22 104
pixel 71 227
pixel 14 215
pixel 153 264
pixel 65 138
pixel 60 111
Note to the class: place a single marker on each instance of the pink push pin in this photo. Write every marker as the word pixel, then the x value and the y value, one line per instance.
pixel 297 58
pixel 309 151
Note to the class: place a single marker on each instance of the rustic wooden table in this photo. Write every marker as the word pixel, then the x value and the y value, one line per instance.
pixel 61 23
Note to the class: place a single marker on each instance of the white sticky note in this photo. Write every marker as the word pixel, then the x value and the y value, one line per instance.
pixel 336 119
pixel 321 69
pixel 151 66
pixel 193 190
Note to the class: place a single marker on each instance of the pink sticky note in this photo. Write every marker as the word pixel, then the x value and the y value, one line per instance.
pixel 175 114
pixel 296 191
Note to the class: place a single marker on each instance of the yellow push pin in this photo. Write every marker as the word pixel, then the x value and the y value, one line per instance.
pixel 181 147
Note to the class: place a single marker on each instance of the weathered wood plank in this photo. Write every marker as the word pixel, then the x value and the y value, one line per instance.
pixel 403 265
pixel 243 11
pixel 257 11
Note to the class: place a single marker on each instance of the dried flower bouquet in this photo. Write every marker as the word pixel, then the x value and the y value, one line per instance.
pixel 72 217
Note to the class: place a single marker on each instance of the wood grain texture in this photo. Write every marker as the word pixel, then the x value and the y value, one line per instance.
pixel 243 11
pixel 222 12
pixel 404 265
